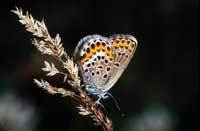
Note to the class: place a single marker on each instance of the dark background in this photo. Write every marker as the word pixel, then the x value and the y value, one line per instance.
pixel 157 92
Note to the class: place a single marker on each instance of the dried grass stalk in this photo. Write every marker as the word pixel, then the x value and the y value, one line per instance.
pixel 53 47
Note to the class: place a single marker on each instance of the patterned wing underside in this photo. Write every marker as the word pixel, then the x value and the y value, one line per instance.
pixel 102 60
pixel 95 59
pixel 123 47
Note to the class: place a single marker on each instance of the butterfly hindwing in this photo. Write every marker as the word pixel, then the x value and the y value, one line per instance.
pixel 123 48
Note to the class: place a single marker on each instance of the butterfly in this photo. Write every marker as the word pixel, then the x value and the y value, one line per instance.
pixel 102 60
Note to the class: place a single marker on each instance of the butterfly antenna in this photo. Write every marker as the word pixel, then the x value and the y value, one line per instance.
pixel 102 106
pixel 115 101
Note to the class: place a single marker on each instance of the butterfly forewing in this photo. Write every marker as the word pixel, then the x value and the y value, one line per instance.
pixel 95 58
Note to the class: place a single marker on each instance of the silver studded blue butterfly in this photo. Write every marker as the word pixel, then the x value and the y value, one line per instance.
pixel 102 60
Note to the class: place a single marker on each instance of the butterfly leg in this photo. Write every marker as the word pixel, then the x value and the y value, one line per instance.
pixel 102 96
pixel 98 100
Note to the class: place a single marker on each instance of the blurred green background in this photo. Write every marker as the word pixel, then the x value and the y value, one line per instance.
pixel 157 92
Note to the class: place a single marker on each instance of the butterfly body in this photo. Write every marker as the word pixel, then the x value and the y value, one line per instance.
pixel 102 60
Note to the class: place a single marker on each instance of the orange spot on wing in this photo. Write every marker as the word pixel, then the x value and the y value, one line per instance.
pixel 93 51
pixel 124 44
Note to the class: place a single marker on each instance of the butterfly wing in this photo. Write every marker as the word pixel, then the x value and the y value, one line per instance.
pixel 102 60
pixel 123 48
pixel 95 58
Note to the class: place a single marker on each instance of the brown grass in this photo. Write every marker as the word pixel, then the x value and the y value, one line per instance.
pixel 53 47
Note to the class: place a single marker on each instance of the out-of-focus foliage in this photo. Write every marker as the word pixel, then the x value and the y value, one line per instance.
pixel 15 114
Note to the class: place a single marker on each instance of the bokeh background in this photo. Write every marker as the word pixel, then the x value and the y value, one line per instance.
pixel 157 92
